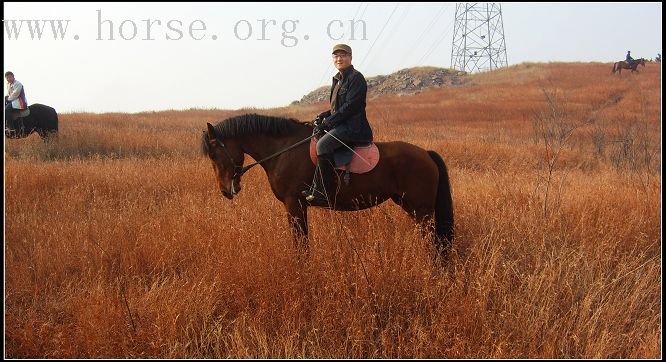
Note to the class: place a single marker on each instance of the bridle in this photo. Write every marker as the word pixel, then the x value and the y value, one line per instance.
pixel 238 169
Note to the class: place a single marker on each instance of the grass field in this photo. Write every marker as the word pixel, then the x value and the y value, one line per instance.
pixel 118 242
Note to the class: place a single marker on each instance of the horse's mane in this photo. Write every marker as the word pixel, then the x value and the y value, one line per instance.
pixel 251 124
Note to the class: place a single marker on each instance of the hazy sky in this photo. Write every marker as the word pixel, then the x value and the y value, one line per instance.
pixel 148 56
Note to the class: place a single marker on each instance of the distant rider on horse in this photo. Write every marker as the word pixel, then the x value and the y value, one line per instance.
pixel 15 102
pixel 629 59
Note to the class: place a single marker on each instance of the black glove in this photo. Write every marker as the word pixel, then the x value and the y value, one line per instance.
pixel 316 126
pixel 320 126
pixel 325 124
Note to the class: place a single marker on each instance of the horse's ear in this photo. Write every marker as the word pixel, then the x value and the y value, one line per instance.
pixel 211 133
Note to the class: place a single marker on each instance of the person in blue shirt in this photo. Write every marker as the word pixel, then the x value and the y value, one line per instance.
pixel 15 101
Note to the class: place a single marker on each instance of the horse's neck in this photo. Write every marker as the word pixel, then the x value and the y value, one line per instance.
pixel 261 146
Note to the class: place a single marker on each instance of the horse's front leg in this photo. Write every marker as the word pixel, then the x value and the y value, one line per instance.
pixel 298 220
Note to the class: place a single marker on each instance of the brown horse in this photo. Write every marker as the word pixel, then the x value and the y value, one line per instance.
pixel 618 66
pixel 412 177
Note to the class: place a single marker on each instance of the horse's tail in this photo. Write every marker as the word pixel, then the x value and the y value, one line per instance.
pixel 443 206
pixel 53 120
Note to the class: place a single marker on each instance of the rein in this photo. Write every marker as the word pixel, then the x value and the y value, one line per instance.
pixel 239 170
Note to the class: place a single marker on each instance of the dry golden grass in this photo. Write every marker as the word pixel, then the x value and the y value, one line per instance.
pixel 119 244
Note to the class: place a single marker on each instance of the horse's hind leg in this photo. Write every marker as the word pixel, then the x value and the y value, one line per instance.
pixel 423 215
pixel 44 135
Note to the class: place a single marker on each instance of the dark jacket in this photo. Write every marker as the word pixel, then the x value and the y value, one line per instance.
pixel 349 114
pixel 629 58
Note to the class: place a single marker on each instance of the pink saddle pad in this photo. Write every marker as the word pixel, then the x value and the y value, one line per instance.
pixel 364 160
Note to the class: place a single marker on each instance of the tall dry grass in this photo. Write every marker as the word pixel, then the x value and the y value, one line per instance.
pixel 118 243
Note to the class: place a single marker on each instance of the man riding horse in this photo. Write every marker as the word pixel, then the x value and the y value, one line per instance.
pixel 629 59
pixel 345 121
pixel 15 102
pixel 628 63
pixel 414 178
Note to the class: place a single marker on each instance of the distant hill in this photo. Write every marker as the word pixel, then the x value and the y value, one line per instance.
pixel 403 82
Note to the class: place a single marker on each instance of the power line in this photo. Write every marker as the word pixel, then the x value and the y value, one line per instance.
pixel 394 27
pixel 380 33
pixel 357 9
pixel 397 24
pixel 321 80
pixel 436 43
pixel 329 65
pixel 418 40
pixel 363 13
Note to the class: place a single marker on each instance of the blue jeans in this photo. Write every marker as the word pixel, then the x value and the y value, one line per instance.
pixel 10 116
pixel 327 144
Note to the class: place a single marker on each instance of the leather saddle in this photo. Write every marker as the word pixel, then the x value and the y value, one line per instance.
pixel 363 159
pixel 23 113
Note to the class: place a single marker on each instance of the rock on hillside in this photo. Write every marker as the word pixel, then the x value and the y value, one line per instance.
pixel 403 82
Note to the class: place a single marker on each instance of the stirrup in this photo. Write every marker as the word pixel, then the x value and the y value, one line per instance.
pixel 314 193
pixel 318 190
pixel 310 195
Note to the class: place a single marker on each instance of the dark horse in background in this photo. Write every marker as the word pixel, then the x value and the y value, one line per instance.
pixel 42 119
pixel 415 179
pixel 618 66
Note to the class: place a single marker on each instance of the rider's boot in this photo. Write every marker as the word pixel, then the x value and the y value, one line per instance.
pixel 324 186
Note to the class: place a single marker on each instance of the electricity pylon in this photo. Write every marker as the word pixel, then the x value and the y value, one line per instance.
pixel 478 38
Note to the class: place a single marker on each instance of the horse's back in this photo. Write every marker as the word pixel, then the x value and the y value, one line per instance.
pixel 41 108
pixel 45 117
pixel 399 146
pixel 407 156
